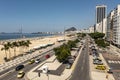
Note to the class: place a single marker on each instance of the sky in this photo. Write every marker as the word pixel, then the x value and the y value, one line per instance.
pixel 49 15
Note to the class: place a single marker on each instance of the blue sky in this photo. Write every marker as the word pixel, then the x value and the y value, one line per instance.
pixel 49 15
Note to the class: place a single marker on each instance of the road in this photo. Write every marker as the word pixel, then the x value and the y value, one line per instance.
pixel 13 75
pixel 114 62
pixel 81 71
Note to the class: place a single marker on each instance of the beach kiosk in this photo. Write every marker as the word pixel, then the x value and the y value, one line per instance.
pixel 45 69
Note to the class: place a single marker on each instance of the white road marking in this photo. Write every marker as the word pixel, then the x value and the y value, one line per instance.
pixel 109 61
pixel 115 62
pixel 119 62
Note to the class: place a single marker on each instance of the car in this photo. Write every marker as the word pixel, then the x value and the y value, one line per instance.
pixel 19 67
pixel 96 58
pixel 99 63
pixel 68 66
pixel 47 56
pixel 95 62
pixel 20 74
pixel 31 61
pixel 37 60
pixel 109 71
pixel 100 67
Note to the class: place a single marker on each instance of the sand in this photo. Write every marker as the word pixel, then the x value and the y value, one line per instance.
pixel 34 41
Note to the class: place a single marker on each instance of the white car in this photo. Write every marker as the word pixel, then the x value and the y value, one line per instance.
pixel 37 60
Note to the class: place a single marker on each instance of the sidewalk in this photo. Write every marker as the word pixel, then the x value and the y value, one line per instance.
pixel 53 65
pixel 99 74
pixel 115 50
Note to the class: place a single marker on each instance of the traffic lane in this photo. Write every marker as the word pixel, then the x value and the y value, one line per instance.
pixel 113 59
pixel 13 75
pixel 1 73
pixel 81 71
pixel 46 50
pixel 77 73
pixel 85 66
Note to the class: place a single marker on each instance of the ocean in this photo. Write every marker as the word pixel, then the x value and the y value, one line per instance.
pixel 7 36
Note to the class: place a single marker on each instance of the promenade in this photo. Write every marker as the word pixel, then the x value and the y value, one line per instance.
pixel 34 43
pixel 57 71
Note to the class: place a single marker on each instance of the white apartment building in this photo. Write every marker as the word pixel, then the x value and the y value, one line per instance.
pixel 101 26
pixel 91 29
pixel 109 29
pixel 116 25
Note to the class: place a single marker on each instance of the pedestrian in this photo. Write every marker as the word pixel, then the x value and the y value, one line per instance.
pixel 106 76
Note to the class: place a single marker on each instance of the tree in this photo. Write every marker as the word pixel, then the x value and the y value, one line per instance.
pixel 15 44
pixel 5 48
pixel 26 43
pixel 97 35
pixel 71 44
pixel 62 52
pixel 9 46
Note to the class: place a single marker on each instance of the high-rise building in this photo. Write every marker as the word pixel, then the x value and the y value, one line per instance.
pixel 116 26
pixel 109 29
pixel 100 13
pixel 101 18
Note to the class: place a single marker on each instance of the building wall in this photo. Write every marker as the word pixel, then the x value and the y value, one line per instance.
pixel 91 29
pixel 109 29
pixel 100 13
pixel 101 18
pixel 116 25
pixel 101 27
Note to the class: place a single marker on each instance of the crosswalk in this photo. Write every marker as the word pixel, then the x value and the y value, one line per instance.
pixel 113 62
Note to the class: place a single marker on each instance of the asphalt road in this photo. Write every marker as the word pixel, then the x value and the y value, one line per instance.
pixel 13 75
pixel 114 66
pixel 81 71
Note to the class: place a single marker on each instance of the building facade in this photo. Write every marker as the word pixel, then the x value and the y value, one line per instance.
pixel 91 29
pixel 101 18
pixel 109 29
pixel 116 26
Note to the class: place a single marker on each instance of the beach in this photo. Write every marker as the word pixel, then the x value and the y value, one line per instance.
pixel 35 42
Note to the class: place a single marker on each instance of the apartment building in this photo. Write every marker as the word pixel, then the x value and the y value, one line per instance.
pixel 116 26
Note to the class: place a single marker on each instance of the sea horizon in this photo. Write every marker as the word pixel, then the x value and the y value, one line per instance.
pixel 10 36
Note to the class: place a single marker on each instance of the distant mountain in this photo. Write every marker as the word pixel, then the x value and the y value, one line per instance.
pixel 71 29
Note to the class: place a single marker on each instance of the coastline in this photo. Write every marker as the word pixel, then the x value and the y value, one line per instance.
pixel 35 42
pixel 26 38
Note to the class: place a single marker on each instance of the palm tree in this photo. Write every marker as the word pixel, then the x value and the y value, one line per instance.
pixel 28 43
pixel 9 46
pixel 20 44
pixel 15 44
pixel 5 48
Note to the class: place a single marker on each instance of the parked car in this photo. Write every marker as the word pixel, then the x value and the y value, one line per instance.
pixel 68 66
pixel 20 74
pixel 37 60
pixel 95 62
pixel 100 67
pixel 109 71
pixel 19 67
pixel 31 61
pixel 100 63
